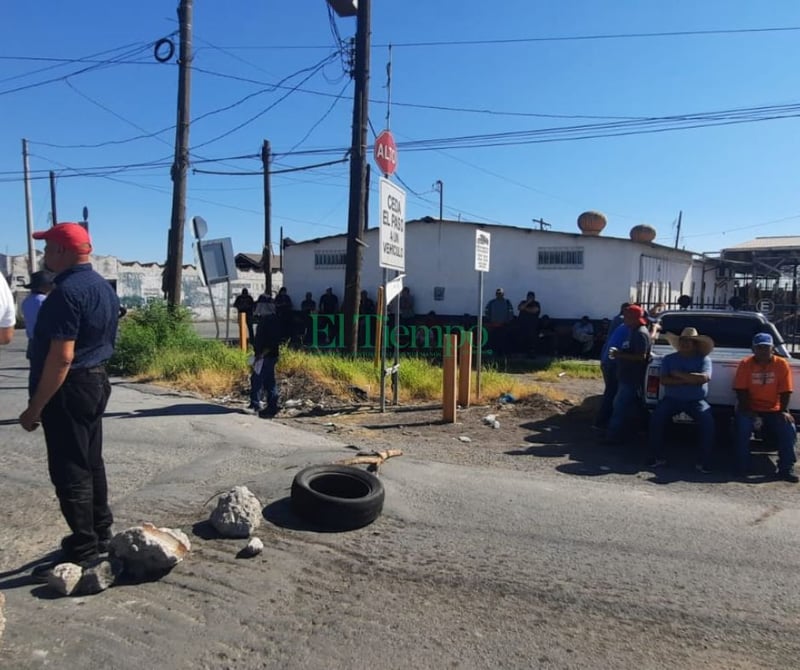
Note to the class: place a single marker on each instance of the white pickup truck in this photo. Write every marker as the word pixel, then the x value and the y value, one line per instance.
pixel 732 333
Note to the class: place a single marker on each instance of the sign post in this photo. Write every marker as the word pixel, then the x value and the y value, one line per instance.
pixel 391 256
pixel 483 242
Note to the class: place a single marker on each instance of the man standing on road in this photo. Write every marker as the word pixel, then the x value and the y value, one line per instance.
pixel 684 376
pixel 267 350
pixel 8 313
pixel 763 386
pixel 631 358
pixel 41 284
pixel 69 388
pixel 244 304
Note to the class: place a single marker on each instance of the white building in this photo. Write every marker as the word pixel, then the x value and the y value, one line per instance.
pixel 137 283
pixel 571 273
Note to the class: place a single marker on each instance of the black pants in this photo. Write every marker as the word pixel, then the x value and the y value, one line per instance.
pixel 73 431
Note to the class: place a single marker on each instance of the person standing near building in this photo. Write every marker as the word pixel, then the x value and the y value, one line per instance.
pixel 267 350
pixel 528 312
pixel 69 388
pixel 41 284
pixel 763 385
pixel 244 304
pixel 631 359
pixel 8 312
pixel 499 314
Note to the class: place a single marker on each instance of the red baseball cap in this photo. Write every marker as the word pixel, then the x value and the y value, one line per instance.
pixel 72 236
pixel 638 312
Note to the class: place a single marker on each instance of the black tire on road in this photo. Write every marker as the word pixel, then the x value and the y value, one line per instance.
pixel 337 497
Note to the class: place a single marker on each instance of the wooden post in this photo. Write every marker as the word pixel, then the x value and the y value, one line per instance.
pixel 449 378
pixel 465 368
pixel 243 331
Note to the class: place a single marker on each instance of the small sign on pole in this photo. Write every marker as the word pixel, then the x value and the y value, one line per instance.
pixel 392 238
pixel 483 241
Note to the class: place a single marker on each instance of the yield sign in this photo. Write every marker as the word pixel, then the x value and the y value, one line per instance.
pixel 386 153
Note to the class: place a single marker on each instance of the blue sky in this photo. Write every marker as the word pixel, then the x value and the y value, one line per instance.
pixel 730 181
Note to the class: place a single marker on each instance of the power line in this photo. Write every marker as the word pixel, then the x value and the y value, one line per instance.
pixel 261 172
pixel 555 38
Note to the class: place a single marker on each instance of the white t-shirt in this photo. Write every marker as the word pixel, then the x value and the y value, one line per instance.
pixel 8 311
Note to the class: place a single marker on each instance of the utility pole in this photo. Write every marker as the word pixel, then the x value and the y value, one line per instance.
pixel 28 208
pixel 267 254
pixel 439 186
pixel 678 233
pixel 358 150
pixel 543 225
pixel 53 215
pixel 174 267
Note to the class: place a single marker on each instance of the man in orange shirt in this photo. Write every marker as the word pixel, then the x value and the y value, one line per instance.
pixel 763 386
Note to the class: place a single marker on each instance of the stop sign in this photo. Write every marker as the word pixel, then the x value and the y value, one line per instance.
pixel 386 153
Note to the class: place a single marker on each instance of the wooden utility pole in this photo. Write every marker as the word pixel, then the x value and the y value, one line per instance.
pixel 358 150
pixel 678 232
pixel 28 208
pixel 543 225
pixel 267 253
pixel 439 186
pixel 53 215
pixel 180 166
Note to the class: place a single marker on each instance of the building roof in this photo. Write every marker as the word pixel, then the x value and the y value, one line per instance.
pixel 245 261
pixel 767 244
pixel 427 220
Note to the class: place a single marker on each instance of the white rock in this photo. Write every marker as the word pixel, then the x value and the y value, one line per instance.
pixel 489 419
pixel 147 551
pixel 253 548
pixel 65 578
pixel 237 514
pixel 292 403
pixel 495 424
pixel 464 438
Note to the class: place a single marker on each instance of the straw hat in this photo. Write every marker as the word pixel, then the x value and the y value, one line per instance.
pixel 705 345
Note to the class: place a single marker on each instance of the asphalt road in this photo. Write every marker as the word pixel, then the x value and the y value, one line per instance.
pixel 467 567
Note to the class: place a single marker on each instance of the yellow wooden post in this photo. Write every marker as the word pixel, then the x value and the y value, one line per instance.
pixel 243 331
pixel 465 368
pixel 449 345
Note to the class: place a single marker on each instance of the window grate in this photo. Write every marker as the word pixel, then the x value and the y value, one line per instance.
pixel 330 259
pixel 551 258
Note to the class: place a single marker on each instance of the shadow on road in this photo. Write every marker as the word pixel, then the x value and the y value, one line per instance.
pixel 184 409
pixel 281 514
pixel 571 435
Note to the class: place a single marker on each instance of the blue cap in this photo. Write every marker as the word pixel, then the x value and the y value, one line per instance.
pixel 762 339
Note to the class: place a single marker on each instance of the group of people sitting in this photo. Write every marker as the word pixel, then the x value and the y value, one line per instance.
pixel 763 385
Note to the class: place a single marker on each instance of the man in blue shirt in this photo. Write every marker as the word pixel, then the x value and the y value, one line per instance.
pixel 69 389
pixel 684 376
pixel 41 284
pixel 608 366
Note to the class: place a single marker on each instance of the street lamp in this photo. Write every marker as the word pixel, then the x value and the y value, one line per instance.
pixel 344 7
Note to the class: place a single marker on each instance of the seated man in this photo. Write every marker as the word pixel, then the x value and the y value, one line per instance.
pixel 583 336
pixel 684 376
pixel 763 386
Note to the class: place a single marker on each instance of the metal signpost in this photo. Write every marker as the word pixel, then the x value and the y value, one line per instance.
pixel 391 256
pixel 483 242
pixel 216 266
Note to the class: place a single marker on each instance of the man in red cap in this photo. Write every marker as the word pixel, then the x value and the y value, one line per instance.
pixel 632 359
pixel 68 389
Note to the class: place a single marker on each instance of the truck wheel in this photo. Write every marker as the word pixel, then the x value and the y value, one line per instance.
pixel 337 497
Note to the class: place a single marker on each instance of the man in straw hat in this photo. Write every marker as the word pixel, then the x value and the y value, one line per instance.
pixel 763 385
pixel 684 376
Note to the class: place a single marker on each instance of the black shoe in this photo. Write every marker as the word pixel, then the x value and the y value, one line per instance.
pixel 789 476
pixel 268 413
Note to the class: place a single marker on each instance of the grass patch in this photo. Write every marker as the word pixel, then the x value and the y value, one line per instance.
pixel 159 344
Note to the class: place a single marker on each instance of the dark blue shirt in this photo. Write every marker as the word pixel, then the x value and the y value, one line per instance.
pixel 636 342
pixel 82 307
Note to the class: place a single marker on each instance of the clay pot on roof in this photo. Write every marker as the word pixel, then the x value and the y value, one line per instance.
pixel 643 233
pixel 592 223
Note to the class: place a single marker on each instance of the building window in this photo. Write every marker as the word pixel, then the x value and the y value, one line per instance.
pixel 560 257
pixel 329 259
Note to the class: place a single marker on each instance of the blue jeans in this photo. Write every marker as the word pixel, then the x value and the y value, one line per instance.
pixel 626 410
pixel 774 424
pixel 610 380
pixel 265 381
pixel 699 410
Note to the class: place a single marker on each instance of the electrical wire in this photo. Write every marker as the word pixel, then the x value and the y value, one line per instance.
pixel 556 38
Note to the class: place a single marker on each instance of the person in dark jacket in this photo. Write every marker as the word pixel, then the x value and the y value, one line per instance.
pixel 244 304
pixel 267 350
pixel 68 385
